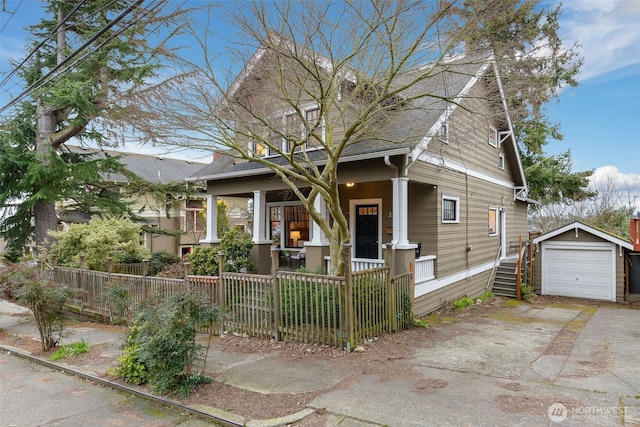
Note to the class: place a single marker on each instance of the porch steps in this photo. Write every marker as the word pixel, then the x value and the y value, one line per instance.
pixel 504 284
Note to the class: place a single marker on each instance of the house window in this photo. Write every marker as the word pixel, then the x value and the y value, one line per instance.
pixel 493 221
pixel 443 133
pixel 275 224
pixel 450 209
pixel 501 161
pixel 194 216
pixel 493 136
pixel 258 149
pixel 288 225
pixel 315 125
pixel 293 134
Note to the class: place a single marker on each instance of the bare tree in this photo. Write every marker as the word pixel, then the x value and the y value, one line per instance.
pixel 609 208
pixel 358 63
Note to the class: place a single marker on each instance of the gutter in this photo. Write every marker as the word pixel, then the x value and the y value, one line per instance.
pixel 264 170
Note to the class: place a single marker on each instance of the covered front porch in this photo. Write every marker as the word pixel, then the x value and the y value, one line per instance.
pixel 379 219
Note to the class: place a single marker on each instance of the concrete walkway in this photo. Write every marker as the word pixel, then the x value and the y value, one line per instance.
pixel 516 365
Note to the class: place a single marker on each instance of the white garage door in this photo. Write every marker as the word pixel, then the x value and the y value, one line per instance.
pixel 579 270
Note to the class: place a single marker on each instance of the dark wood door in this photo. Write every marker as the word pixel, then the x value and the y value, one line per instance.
pixel 366 231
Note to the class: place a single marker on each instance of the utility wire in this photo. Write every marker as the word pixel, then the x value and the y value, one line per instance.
pixel 68 59
pixel 34 50
pixel 10 17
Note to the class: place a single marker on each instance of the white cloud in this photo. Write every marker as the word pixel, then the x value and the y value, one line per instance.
pixel 627 185
pixel 608 32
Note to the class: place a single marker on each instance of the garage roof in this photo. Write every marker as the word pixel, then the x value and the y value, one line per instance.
pixel 577 225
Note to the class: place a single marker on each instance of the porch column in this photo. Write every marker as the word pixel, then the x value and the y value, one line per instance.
pixel 261 251
pixel 400 212
pixel 212 220
pixel 317 235
pixel 260 217
pixel 318 247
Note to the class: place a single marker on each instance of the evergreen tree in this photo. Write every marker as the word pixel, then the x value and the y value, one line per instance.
pixel 89 59
pixel 534 65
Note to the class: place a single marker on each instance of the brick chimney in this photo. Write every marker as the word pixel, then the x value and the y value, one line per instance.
pixel 635 234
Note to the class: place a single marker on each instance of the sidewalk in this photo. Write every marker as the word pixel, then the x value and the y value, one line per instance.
pixel 500 365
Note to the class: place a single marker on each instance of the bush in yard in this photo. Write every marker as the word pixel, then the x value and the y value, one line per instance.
pixel 45 299
pixel 204 261
pixel 161 347
pixel 160 260
pixel 235 245
pixel 98 240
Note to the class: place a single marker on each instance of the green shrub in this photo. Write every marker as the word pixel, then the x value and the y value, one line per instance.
pixel 204 261
pixel 526 291
pixel 485 296
pixel 235 245
pixel 46 301
pixel 160 260
pixel 131 368
pixel 70 350
pixel 162 347
pixel 462 303
pixel 98 240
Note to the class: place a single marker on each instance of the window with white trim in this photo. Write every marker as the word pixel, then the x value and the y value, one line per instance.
pixel 315 126
pixel 194 220
pixel 450 209
pixel 443 133
pixel 493 136
pixel 493 221
pixel 501 161
pixel 289 225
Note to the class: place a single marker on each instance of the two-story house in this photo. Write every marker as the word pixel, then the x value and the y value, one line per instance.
pixel 439 183
pixel 176 222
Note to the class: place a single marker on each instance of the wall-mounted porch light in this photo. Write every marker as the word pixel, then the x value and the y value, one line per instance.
pixel 350 184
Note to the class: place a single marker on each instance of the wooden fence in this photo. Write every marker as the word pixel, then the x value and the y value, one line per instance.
pixel 290 306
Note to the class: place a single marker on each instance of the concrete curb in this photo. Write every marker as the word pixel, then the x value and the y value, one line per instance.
pixel 206 412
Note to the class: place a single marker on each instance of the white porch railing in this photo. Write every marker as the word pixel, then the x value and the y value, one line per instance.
pixel 425 269
pixel 359 264
pixel 425 266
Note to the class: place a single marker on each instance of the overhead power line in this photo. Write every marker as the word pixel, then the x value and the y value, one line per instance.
pixel 63 65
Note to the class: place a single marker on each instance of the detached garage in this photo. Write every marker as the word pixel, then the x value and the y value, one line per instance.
pixel 581 261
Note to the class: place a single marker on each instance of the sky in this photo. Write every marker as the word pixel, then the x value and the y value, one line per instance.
pixel 600 119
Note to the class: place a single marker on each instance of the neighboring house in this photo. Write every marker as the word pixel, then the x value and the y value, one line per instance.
pixel 581 261
pixel 452 198
pixel 184 215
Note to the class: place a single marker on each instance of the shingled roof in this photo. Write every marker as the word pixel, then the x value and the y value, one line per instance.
pixel 400 133
pixel 151 168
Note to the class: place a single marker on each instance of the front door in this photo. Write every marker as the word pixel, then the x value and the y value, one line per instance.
pixel 366 236
pixel 503 233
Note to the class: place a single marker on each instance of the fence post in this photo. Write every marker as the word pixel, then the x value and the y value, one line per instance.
pixel 187 283
pixel 349 311
pixel 83 282
pixel 221 296
pixel 275 260
pixel 145 270
pixel 109 265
